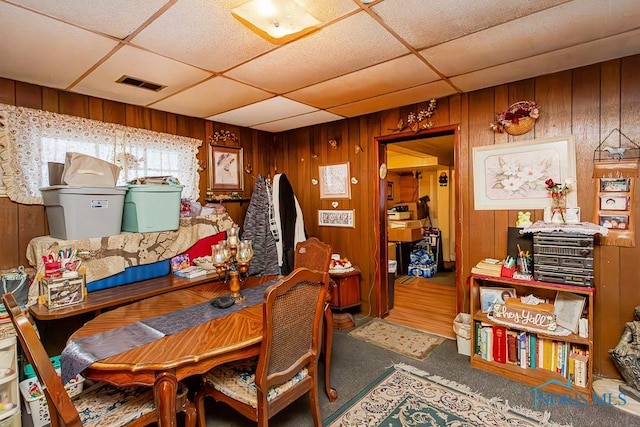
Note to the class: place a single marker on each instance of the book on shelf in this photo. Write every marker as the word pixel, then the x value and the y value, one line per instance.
pixel 191 272
pixel 512 347
pixel 580 367
pixel 500 344
pixel 488 267
pixel 486 346
pixel 522 349
pixel 533 351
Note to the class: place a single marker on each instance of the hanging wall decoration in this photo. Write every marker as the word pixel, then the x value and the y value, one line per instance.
pixel 518 119
pixel 615 169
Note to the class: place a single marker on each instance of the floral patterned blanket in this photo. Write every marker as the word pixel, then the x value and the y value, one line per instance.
pixel 106 256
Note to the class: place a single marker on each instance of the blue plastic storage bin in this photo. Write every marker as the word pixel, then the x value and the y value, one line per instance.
pixel 131 275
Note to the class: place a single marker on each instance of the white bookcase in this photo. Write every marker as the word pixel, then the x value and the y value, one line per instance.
pixel 9 389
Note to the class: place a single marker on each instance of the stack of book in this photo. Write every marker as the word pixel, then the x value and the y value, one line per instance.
pixel 488 267
pixel 191 272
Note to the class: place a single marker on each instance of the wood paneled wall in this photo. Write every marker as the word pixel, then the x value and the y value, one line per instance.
pixel 587 102
pixel 20 223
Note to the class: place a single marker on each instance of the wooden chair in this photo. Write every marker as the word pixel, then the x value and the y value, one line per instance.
pixel 316 255
pixel 313 254
pixel 99 405
pixel 287 365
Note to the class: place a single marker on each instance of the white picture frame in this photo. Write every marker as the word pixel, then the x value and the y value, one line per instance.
pixel 512 176
pixel 336 218
pixel 489 296
pixel 335 181
pixel 568 310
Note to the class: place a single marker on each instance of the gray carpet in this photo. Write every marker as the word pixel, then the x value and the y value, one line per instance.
pixel 355 364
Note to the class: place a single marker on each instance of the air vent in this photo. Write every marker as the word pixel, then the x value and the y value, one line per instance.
pixel 132 81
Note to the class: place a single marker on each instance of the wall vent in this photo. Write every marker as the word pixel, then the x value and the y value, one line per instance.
pixel 132 81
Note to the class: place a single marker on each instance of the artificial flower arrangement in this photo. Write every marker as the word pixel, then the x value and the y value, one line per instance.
pixel 512 116
pixel 559 196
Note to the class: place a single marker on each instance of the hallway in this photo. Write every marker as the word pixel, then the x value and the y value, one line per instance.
pixel 425 305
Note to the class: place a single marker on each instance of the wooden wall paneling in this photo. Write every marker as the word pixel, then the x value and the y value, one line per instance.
pixel 96 109
pixel 28 95
pixel 114 112
pixel 629 272
pixel 32 222
pixel 138 117
pixel 50 99
pixel 7 91
pixel 73 104
pixel 172 123
pixel 503 218
pixel 457 114
pixel 10 249
pixel 610 326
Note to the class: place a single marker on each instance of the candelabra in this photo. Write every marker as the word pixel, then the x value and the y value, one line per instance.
pixel 232 257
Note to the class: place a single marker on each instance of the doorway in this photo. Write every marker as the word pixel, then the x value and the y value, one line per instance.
pixel 421 164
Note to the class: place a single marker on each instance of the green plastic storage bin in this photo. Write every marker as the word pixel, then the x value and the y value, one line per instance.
pixel 150 208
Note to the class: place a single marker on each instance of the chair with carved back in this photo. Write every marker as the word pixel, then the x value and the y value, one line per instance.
pixel 316 255
pixel 99 405
pixel 287 367
pixel 313 254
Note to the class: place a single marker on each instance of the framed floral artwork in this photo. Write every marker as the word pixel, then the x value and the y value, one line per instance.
pixel 513 175
pixel 335 181
pixel 226 169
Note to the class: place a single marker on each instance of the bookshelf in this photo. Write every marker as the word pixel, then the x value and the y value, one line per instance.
pixel 538 375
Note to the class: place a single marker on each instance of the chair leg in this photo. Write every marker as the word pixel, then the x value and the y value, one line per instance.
pixel 199 405
pixel 315 405
pixel 190 415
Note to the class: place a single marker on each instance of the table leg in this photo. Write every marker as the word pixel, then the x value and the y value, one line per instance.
pixel 332 394
pixel 165 390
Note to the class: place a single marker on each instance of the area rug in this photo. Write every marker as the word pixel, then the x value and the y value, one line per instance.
pixel 407 396
pixel 404 279
pixel 401 339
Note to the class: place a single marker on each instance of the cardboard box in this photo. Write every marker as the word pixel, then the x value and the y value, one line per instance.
pixel 415 211
pixel 404 234
pixel 62 292
pixel 409 223
pixel 391 251
pixel 399 215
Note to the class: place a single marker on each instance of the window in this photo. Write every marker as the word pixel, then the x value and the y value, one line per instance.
pixel 30 139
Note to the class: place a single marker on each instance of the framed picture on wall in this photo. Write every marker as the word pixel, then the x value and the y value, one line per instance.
pixel 390 190
pixel 615 184
pixel 614 203
pixel 335 181
pixel 336 218
pixel 226 168
pixel 619 222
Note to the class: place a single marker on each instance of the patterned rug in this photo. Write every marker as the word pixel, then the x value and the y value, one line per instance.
pixel 407 396
pixel 401 339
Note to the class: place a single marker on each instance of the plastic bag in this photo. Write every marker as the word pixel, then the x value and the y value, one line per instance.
pixel 16 283
pixel 81 170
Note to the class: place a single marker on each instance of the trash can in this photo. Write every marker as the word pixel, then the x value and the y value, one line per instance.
pixel 391 280
pixel 462 328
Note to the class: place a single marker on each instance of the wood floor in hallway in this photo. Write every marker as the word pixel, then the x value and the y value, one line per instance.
pixel 425 305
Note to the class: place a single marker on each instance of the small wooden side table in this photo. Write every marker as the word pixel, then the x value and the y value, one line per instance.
pixel 345 293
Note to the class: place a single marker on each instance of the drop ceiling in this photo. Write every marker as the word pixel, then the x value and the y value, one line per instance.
pixel 363 58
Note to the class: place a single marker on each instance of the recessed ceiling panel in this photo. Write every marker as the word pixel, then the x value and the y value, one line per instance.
pixel 117 18
pixel 308 119
pixel 589 53
pixel 346 46
pixel 140 64
pixel 542 32
pixel 261 112
pixel 390 76
pixel 425 24
pixel 212 97
pixel 31 54
pixel 396 99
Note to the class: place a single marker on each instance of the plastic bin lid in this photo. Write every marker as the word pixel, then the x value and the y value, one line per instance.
pixel 155 188
pixel 85 190
pixel 30 373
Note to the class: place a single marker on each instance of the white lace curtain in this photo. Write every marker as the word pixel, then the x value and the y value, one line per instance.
pixel 30 139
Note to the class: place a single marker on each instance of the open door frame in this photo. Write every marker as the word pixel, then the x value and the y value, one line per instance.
pixel 381 142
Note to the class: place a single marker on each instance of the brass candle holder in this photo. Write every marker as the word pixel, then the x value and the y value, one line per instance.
pixel 232 257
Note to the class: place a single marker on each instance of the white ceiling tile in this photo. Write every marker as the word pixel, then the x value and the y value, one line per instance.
pixel 346 46
pixel 308 119
pixel 264 111
pixel 543 32
pixel 589 53
pixel 117 18
pixel 142 65
pixel 414 95
pixel 425 24
pixel 212 97
pixel 30 54
pixel 389 76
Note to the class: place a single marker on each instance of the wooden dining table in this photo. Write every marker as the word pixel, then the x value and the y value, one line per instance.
pixel 162 363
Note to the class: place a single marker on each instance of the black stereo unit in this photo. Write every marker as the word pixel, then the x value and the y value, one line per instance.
pixel 565 258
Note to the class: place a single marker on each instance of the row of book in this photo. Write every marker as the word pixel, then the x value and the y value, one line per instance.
pixel 496 343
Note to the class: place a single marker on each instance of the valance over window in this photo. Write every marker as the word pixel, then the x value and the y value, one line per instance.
pixel 30 139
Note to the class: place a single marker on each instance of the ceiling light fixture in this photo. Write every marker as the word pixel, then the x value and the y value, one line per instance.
pixel 277 18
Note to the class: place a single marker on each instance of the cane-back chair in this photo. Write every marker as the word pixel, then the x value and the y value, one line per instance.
pixel 99 405
pixel 287 366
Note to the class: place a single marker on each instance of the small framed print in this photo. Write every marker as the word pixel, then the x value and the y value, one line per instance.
pixel 335 181
pixel 336 218
pixel 615 184
pixel 572 215
pixel 614 203
pixel 226 169
pixel 489 296
pixel 619 222
pixel 390 190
